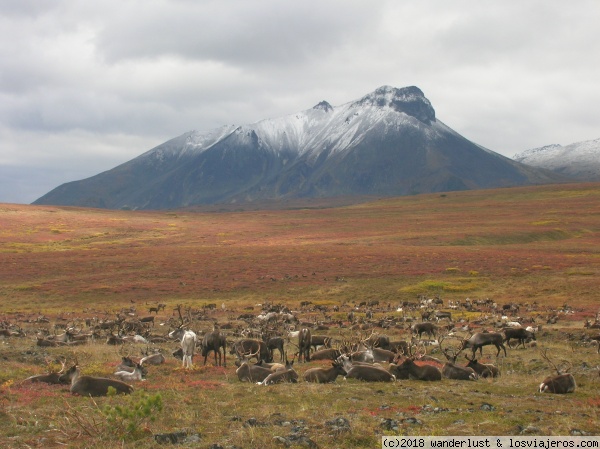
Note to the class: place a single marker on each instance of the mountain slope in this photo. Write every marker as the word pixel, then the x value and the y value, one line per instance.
pixel 580 161
pixel 387 143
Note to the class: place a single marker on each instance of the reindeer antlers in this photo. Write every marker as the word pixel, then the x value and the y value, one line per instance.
pixel 544 354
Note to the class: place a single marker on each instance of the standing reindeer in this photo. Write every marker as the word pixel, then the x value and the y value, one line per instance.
pixel 304 343
pixel 213 341
pixel 481 339
pixel 561 383
pixel 188 345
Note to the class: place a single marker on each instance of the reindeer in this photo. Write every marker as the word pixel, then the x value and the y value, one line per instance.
pixel 378 341
pixel 258 372
pixel 289 374
pixel 188 345
pixel 399 347
pixel 276 343
pixel 252 373
pixel 597 340
pixel 304 343
pixel 52 378
pixel 127 364
pixel 147 319
pixel 481 339
pixel 451 370
pixel 213 341
pixel 563 382
pixel 483 369
pixel 519 334
pixel 369 373
pixel 425 328
pixel 326 354
pixel 152 359
pixel 320 340
pixel 408 369
pixel 324 375
pixel 92 386
pixel 257 348
pixel 138 373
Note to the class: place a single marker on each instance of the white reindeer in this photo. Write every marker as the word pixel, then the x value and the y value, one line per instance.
pixel 188 344
pixel 126 376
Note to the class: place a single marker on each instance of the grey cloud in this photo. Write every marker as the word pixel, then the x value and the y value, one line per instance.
pixel 240 33
pixel 88 85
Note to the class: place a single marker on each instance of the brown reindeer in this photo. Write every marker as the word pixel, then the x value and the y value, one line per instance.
pixel 325 375
pixel 408 369
pixel 92 386
pixel 481 339
pixel 52 377
pixel 519 334
pixel 257 348
pixel 213 341
pixel 326 354
pixel 451 370
pixel 484 370
pixel 425 328
pixel 304 343
pixel 561 383
pixel 369 373
pixel 288 374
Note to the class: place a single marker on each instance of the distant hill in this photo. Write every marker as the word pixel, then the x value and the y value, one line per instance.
pixel 579 161
pixel 387 143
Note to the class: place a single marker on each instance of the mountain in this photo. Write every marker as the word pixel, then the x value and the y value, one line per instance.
pixel 579 161
pixel 387 143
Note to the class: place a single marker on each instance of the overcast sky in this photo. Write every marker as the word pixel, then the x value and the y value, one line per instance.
pixel 88 85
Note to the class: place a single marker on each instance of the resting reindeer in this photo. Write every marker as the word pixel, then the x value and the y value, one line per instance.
pixel 287 375
pixel 561 383
pixel 92 386
pixel 326 354
pixel 483 369
pixel 248 372
pixel 138 373
pixel 408 369
pixel 152 359
pixel 257 348
pixel 451 370
pixel 369 373
pixel 52 378
pixel 325 375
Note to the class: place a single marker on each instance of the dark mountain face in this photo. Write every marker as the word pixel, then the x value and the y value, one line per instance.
pixel 388 143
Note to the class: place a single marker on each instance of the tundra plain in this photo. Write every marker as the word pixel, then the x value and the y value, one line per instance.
pixel 536 247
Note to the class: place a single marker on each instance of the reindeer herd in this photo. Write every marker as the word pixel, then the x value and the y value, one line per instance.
pixel 355 355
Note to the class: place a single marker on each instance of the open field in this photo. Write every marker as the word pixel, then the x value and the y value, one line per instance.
pixel 538 247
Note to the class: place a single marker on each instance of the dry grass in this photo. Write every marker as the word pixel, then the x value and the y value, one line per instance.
pixel 531 245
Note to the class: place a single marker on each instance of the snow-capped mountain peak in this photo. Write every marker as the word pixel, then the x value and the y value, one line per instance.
pixel 388 142
pixel 580 160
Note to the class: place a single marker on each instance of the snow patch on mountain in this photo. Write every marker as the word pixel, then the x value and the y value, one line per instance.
pixel 580 160
pixel 324 127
